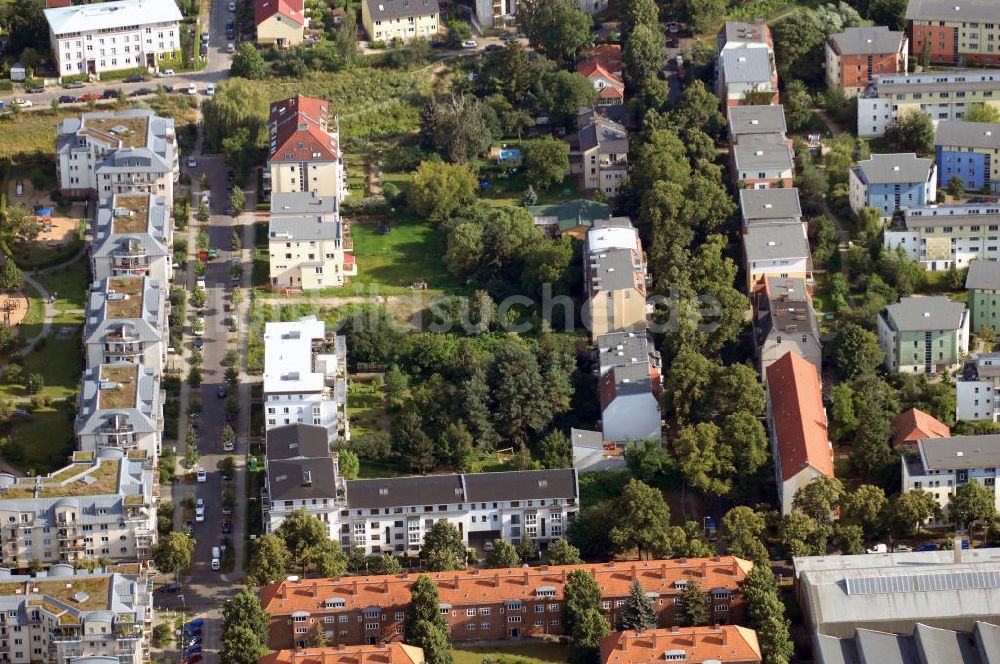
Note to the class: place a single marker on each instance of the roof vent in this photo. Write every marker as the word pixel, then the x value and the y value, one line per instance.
pixel 927 314
pixel 307 478
pixel 759 153
pixel 742 59
pixel 960 453
pixel 755 122
pixel 543 483
pixel 895 168
pixel 80 597
pixel 768 206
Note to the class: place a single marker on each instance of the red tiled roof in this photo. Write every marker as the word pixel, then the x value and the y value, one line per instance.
pixel 799 418
pixel 383 653
pixel 608 56
pixel 498 585
pixel 915 424
pixel 300 131
pixel 291 9
pixel 728 644
pixel 610 92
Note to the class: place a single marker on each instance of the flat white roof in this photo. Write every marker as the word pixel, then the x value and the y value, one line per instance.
pixel 288 359
pixel 602 239
pixel 111 15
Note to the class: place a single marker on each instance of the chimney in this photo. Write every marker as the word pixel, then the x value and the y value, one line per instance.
pixel 496 580
pixel 704 570
pixel 663 571
pixel 526 579
pixel 725 636
pixel 387 586
pixel 354 588
pixel 635 573
pixel 674 629
pixel 958 550
pixel 315 590
pixel 623 642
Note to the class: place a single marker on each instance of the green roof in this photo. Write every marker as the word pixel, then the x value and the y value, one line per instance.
pixel 571 214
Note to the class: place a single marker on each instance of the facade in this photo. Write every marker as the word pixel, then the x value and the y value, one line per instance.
pixel 499 604
pixel 380 653
pixel 592 453
pixel 954 33
pixel 599 154
pixel 944 95
pixel 614 277
pixel 893 592
pixel 763 161
pixel 124 34
pixel 127 322
pixel 721 644
pixel 305 376
pixel 976 389
pixel 941 236
pixel 610 88
pixel 777 250
pixel 133 236
pixel 747 122
pixel 101 504
pixel 910 426
pixel 746 70
pixel 66 615
pixel 301 474
pixel 941 465
pixel 925 644
pixel 766 207
pixel 305 242
pixel 983 284
pixel 923 334
pixel 629 386
pixel 279 23
pixel 572 218
pixel 400 19
pixel 856 55
pixel 891 182
pixel 784 320
pixel 796 419
pixel 304 147
pixel 121 407
pixel 968 150
pixel 111 152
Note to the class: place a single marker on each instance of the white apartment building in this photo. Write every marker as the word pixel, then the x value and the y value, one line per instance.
pixel 940 236
pixel 305 376
pixel 110 36
pixel 306 242
pixel 121 406
pixel 629 387
pixel 101 504
pixel 109 152
pixel 133 236
pixel 977 389
pixel 68 616
pixel 941 465
pixel 127 322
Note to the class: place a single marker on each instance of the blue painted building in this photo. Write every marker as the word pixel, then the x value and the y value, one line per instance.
pixel 970 150
pixel 891 182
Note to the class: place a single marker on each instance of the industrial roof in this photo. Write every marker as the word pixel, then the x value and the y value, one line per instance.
pixel 951 10
pixel 899 168
pixel 926 644
pixel 964 134
pixel 111 15
pixel 916 314
pixel 983 275
pixel 868 40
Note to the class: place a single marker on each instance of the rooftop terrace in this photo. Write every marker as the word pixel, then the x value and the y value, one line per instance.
pixel 131 131
pixel 77 479
pixel 96 592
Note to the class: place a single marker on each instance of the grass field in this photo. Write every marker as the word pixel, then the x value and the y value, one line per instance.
pixel 69 284
pixel 528 653
pixel 365 409
pixel 59 362
pixel 508 191
pixel 32 323
pixel 43 444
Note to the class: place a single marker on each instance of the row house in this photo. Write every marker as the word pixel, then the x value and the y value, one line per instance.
pixel 856 55
pixel 598 153
pixel 968 151
pixel 779 250
pixel 718 644
pixel 378 653
pixel 763 161
pixel 304 151
pixel 124 34
pixel 746 71
pixel 977 388
pixel 305 242
pixel 983 284
pixel 73 615
pixel 784 320
pixel 941 465
pixel 955 33
pixel 769 207
pixel 944 95
pixel 492 604
pixel 121 407
pixel 942 236
pixel 280 23
pixel 100 505
pixel 127 322
pixel 923 334
pixel 629 386
pixel 305 376
pixel 108 152
pixel 615 278
pixel 892 182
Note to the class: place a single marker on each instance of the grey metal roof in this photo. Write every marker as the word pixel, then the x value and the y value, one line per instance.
pixel 967 134
pixel 472 487
pixel 987 642
pixel 759 119
pixel 612 269
pixel 297 440
pixel 632 378
pixel 899 168
pixel 886 648
pixel 607 135
pixel 945 645
pixel 302 203
pixel 868 40
pixel 831 650
pixel 521 485
pixel 146 328
pixel 142 415
pixel 585 438
pixel 920 84
pixel 960 452
pixel 303 228
pixel 746 65
pixel 916 314
pixel 983 275
pixel 300 479
pixel 621 348
pixel 952 10
pixel 386 10
pixel 927 645
pixel 766 153
pixel 775 242
pixel 777 203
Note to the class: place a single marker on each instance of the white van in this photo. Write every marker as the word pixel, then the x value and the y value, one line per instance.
pixel 216 555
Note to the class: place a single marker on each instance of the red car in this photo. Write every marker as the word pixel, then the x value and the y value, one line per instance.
pixel 91 95
pixel 194 657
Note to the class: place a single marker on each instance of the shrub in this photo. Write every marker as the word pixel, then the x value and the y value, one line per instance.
pixel 35 383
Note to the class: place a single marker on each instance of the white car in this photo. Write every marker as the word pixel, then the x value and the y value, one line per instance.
pixel 200 283
pixel 192 89
pixel 22 103
pixel 210 90
pixel 229 446
pixel 232 6
pixel 166 73
pixel 215 564
pixel 199 511
pixel 192 162
pixel 202 475
pixel 230 47
pixel 469 44
pixel 878 548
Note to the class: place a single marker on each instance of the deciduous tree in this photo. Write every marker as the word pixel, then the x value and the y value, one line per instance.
pixel 269 560
pixel 642 519
pixel 443 548
pixel 546 162
pixel 503 555
pixel 971 502
pixel 174 553
pixel 438 189
pixel 248 63
pixel 561 552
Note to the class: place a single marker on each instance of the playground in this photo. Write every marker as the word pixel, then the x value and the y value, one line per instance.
pixel 14 307
pixel 56 231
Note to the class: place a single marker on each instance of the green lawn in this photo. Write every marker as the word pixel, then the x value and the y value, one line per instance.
pixel 69 284
pixel 43 444
pixel 508 191
pixel 32 323
pixel 528 653
pixel 365 409
pixel 60 362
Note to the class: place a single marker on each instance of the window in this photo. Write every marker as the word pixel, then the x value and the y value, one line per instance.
pixel 470 612
pixel 329 619
pixel 301 630
pixel 553 607
pixel 371 626
pixel 513 619
pixel 539 608
pixel 343 618
pixel 484 626
pixel 471 627
pixel 400 615
pixel 606 604
pixel 299 618
pixel 484 611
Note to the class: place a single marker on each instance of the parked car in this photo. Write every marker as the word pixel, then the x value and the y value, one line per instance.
pixel 227 510
pixel 470 43
pixel 36 89
pixel 231 6
pixel 111 93
pixel 878 548
pixel 229 446
pixel 199 343
pixel 91 95
pixel 192 89
pixel 75 86
pixel 222 391
pixel 204 37
pixel 230 47
pixel 192 162
pixel 202 475
pixel 20 102
pixel 204 49
pixel 193 659
pixel 67 99
pixel 673 42
pixel 673 27
pixel 436 43
pixel 135 78
pixel 171 587
pixel 229 210
pixel 902 548
pixel 141 92
pixel 210 90
pixel 226 527
pixel 490 48
pixel 166 73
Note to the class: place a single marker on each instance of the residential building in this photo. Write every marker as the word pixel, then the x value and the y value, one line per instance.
pixel 977 387
pixel 610 87
pixel 280 23
pixel 629 386
pixel 599 154
pixel 100 505
pixel 126 322
pixel 501 604
pixel 110 152
pixel 592 453
pixel 608 56
pixel 796 420
pixel 405 20
pixel 121 406
pixel 923 334
pixel 944 95
pixel 968 150
pixel 941 236
pixel 891 182
pixel 784 320
pixel 910 426
pixel 305 376
pixel 746 70
pixel 133 236
pixel 893 592
pixel 573 218
pixel 941 465
pixel 304 150
pixel 305 242
pixel 301 474
pixel 983 284
pixel 856 55
pixel 763 161
pixel 747 122
pixel 614 278
pixel 925 644
pixel 769 207
pixel 493 13
pixel 954 33
pixel 379 653
pixel 72 616
pixel 721 644
pixel 124 34
pixel 780 250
